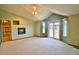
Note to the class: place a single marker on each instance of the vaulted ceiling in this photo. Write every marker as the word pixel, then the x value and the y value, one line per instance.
pixel 46 10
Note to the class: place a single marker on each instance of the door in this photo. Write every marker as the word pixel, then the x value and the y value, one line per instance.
pixel 50 30
pixel 6 26
pixel 56 30
pixel 53 30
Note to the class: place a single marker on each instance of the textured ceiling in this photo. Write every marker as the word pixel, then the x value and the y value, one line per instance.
pixel 64 9
pixel 46 10
pixel 26 11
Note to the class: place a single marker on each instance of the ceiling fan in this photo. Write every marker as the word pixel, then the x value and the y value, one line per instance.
pixel 36 9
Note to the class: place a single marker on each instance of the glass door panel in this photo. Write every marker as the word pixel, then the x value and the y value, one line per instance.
pixel 56 30
pixel 53 30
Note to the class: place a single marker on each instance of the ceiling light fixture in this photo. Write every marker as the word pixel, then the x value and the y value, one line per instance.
pixel 34 10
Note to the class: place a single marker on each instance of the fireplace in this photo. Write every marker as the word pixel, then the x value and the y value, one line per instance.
pixel 21 31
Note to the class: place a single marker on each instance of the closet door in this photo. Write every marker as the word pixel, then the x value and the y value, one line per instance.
pixel 6 24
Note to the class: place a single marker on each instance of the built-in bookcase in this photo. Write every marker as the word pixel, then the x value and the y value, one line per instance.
pixel 0 31
pixel 6 30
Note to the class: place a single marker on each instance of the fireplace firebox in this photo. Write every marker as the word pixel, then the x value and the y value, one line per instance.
pixel 21 31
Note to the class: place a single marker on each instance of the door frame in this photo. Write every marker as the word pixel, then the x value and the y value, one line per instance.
pixel 53 30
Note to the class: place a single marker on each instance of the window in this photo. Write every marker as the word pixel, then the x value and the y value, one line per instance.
pixel 65 27
pixel 43 28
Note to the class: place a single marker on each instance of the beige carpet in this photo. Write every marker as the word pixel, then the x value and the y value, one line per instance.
pixel 37 46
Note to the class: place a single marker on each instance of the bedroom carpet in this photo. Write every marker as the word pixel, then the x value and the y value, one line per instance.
pixel 37 46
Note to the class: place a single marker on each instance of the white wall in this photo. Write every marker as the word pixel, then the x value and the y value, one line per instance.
pixel 73 30
pixel 24 23
pixel 37 28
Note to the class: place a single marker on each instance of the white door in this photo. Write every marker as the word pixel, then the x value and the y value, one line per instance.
pixel 53 30
pixel 56 30
pixel 50 30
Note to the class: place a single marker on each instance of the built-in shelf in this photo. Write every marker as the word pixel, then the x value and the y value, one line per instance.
pixel 6 31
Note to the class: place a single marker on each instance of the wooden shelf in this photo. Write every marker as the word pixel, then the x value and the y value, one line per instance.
pixel 6 31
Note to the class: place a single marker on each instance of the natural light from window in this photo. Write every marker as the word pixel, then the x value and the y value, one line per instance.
pixel 64 27
pixel 43 23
